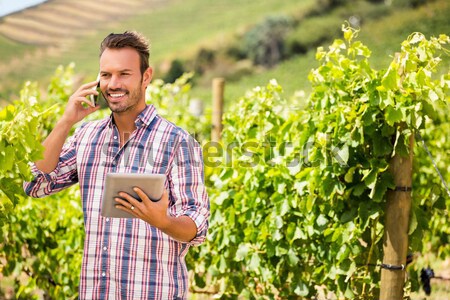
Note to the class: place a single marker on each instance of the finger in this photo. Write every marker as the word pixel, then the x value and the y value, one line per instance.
pixel 130 199
pixel 93 92
pixel 122 202
pixel 88 85
pixel 142 195
pixel 129 208
pixel 85 101
pixel 145 197
pixel 126 204
pixel 164 197
pixel 85 93
pixel 93 107
pixel 87 89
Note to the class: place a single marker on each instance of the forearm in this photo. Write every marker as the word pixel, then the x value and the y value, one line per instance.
pixel 77 108
pixel 53 145
pixel 181 228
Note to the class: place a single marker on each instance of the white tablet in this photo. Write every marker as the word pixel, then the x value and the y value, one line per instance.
pixel 151 184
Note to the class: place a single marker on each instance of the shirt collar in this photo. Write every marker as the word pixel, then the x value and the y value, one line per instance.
pixel 144 118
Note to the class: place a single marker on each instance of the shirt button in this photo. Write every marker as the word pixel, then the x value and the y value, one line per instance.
pixel 115 137
pixel 107 219
pixel 104 248
pixel 103 274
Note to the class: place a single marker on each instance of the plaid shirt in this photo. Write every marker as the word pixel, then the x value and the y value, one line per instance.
pixel 128 258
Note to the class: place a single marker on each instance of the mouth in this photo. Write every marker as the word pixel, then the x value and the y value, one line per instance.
pixel 116 96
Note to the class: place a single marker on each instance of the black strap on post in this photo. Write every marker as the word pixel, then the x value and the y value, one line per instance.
pixel 392 267
pixel 403 189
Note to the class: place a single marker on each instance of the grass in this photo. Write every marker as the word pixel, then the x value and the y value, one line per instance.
pixel 291 75
pixel 10 50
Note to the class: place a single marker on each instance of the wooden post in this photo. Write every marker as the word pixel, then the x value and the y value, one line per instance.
pixel 395 246
pixel 217 109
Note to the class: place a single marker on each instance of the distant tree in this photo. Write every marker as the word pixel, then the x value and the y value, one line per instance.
pixel 175 71
pixel 204 60
pixel 332 3
pixel 411 3
pixel 265 43
pixel 416 3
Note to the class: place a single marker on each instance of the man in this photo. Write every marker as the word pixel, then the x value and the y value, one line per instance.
pixel 127 258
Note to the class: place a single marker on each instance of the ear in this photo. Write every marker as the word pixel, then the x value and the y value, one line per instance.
pixel 147 76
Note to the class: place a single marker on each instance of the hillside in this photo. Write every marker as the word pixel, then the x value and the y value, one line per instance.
pixel 30 39
pixel 53 22
pixel 174 27
pixel 181 29
pixel 382 32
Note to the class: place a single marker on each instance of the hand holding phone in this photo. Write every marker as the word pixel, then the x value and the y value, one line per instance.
pixel 95 99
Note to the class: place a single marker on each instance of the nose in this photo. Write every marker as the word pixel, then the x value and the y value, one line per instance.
pixel 114 83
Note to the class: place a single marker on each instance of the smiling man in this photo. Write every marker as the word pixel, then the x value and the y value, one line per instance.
pixel 127 258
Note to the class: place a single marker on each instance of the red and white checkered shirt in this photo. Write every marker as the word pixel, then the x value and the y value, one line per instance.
pixel 128 258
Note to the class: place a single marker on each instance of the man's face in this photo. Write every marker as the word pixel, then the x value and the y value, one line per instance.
pixel 121 80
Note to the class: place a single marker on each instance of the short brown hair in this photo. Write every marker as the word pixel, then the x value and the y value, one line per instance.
pixel 130 39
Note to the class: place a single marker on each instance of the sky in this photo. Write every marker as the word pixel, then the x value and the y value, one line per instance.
pixel 9 6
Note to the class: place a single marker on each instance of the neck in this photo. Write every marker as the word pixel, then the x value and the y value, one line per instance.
pixel 125 122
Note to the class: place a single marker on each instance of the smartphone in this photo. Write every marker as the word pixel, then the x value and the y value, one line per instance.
pixel 96 99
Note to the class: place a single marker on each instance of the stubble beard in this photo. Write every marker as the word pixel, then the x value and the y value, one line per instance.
pixel 130 103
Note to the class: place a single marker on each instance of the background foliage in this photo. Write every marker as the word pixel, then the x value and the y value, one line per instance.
pixel 299 202
pixel 297 195
pixel 41 240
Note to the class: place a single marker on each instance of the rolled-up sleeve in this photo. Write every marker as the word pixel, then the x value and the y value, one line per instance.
pixel 187 187
pixel 63 176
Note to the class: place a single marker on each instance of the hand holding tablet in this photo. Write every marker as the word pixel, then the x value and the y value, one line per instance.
pixel 151 184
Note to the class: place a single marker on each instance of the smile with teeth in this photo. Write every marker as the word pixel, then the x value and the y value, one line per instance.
pixel 117 95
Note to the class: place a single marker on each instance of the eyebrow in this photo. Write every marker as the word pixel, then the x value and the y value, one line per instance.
pixel 123 70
